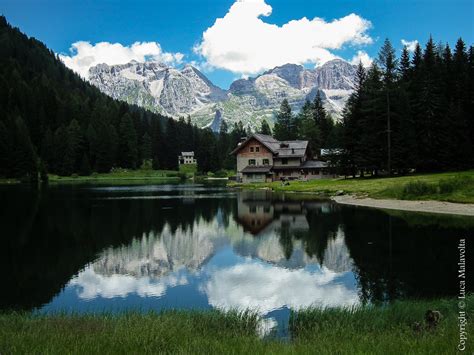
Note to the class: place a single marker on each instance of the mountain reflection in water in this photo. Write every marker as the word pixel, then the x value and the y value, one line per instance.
pixel 192 246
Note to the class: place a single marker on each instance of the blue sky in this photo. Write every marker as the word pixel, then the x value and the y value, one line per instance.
pixel 253 36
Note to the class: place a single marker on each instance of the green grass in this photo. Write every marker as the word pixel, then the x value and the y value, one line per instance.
pixel 120 175
pixel 370 329
pixel 188 169
pixel 453 187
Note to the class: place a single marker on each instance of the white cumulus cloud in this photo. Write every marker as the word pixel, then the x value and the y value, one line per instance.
pixel 93 285
pixel 362 57
pixel 85 55
pixel 411 45
pixel 265 288
pixel 243 43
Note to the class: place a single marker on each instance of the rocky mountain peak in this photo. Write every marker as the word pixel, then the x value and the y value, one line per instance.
pixel 187 91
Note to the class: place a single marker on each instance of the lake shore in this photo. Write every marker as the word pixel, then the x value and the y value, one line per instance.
pixel 398 327
pixel 461 209
pixel 454 187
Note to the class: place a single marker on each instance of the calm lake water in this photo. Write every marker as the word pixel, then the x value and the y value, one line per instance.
pixel 155 247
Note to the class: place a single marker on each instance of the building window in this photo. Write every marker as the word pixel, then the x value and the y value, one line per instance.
pixel 287 173
pixel 266 162
pixel 251 161
pixel 257 149
pixel 266 209
pixel 284 161
pixel 314 172
pixel 251 149
pixel 253 209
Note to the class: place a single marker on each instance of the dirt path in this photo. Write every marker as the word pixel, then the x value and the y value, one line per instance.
pixel 404 205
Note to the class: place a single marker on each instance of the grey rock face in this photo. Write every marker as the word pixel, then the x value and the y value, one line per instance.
pixel 176 93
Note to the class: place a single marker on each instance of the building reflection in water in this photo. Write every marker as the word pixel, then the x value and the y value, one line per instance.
pixel 157 247
pixel 258 260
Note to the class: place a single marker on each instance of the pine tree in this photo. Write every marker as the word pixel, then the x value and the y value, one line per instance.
pixel 265 128
pixel 63 160
pixel 308 129
pixel 352 120
pixel 75 144
pixel 128 143
pixel 323 122
pixel 146 147
pixel 47 148
pixel 389 64
pixel 24 155
pixel 157 150
pixel 405 65
pixel 285 123
pixel 85 169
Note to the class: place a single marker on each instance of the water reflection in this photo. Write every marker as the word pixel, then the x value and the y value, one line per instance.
pixel 154 247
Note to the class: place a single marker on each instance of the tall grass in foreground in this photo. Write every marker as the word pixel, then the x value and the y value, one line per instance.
pixel 372 330
pixel 389 329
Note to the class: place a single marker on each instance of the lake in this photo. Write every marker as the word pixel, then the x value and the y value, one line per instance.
pixel 84 248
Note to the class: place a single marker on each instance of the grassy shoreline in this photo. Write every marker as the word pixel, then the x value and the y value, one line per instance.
pixel 450 186
pixel 119 175
pixel 368 329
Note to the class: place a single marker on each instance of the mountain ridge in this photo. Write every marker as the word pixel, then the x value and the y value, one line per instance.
pixel 187 91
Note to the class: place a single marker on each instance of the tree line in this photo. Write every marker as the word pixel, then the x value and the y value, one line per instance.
pixel 411 113
pixel 52 121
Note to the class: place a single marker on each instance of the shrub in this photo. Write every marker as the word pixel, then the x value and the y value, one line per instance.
pixel 147 164
pixel 221 173
pixel 450 185
pixel 418 188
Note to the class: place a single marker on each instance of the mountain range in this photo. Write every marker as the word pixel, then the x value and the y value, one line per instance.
pixel 173 92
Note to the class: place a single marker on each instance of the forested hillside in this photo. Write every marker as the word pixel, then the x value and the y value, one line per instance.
pixel 52 120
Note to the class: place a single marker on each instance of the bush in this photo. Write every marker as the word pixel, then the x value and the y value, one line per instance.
pixel 147 164
pixel 74 176
pixel 418 188
pixel 447 186
pixel 221 173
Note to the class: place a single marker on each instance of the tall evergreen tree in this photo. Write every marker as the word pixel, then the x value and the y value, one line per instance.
pixel 285 123
pixel 324 123
pixel 265 128
pixel 389 64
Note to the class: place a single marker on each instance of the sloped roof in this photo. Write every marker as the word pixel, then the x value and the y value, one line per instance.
pixel 284 149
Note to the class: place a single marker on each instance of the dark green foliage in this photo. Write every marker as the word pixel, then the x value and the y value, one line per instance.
pixel 285 125
pixel 128 143
pixel 24 154
pixel 418 188
pixel 322 120
pixel 85 169
pixel 411 114
pixel 265 128
pixel 74 128
pixel 146 147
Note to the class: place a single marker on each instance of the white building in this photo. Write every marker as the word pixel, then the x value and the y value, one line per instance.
pixel 186 158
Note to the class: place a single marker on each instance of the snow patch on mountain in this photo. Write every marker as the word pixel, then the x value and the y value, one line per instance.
pixel 184 92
